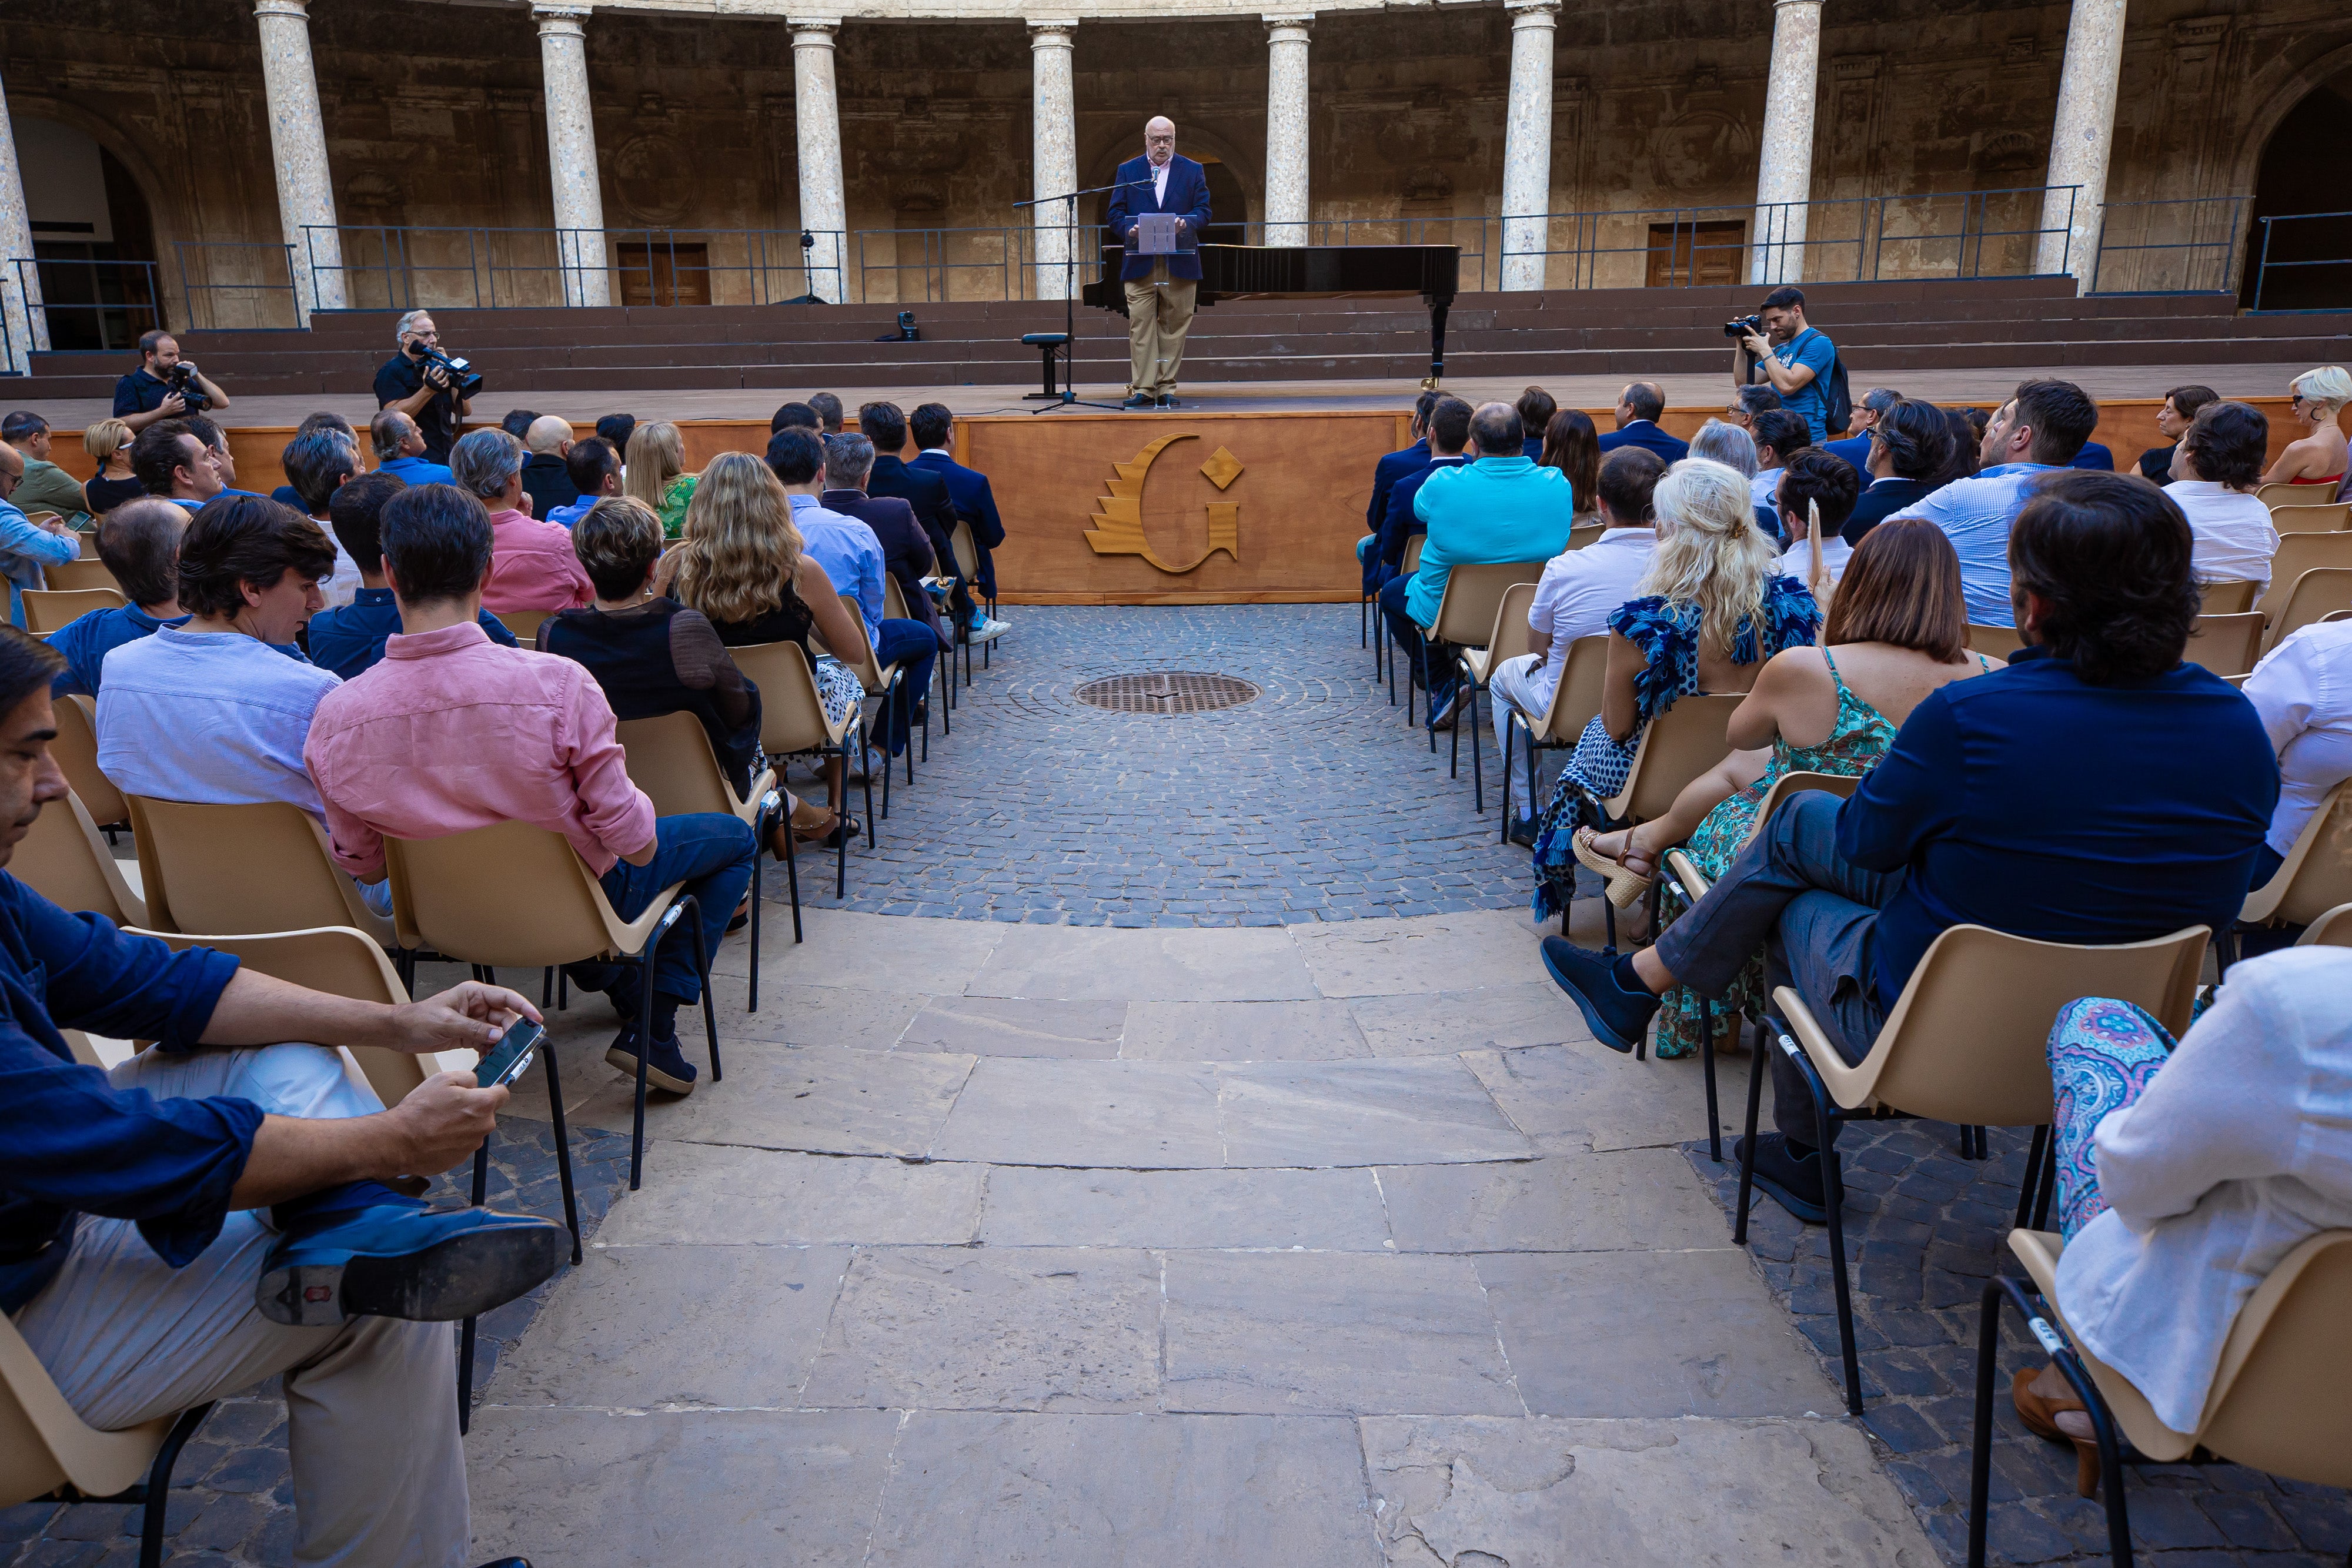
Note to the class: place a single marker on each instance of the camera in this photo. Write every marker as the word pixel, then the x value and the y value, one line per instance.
pixel 464 379
pixel 181 382
pixel 907 331
pixel 1739 327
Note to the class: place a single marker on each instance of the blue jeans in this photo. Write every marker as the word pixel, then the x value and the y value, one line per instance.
pixel 710 852
pixel 909 643
pixel 1411 643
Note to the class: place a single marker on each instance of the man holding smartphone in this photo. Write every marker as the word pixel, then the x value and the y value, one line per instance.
pixel 145 1213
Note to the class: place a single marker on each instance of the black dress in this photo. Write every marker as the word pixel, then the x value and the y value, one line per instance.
pixel 662 658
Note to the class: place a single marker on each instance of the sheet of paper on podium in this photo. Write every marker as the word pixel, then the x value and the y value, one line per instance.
pixel 1155 234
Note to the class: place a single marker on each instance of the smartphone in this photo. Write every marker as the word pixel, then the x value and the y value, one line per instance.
pixel 511 1056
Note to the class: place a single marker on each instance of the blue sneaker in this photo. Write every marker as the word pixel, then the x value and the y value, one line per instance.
pixel 418 1265
pixel 666 1067
pixel 1618 1016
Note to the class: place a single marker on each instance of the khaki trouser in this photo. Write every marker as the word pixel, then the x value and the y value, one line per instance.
pixel 1159 313
pixel 372 1407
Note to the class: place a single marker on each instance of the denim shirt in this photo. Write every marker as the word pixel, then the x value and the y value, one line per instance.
pixel 71 1143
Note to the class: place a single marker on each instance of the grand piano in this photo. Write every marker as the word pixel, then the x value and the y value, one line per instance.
pixel 1244 271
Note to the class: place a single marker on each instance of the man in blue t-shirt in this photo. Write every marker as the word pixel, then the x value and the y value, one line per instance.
pixel 1794 357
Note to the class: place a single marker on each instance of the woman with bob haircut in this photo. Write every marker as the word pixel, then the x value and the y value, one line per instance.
pixel 1897 630
pixel 653 472
pixel 2316 457
pixel 1573 446
pixel 107 441
pixel 2215 472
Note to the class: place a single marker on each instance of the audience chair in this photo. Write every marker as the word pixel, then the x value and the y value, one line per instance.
pixel 671 760
pixel 894 607
pixel 240 869
pixel 1995 641
pixel 2327 518
pixel 2332 929
pixel 43 516
pixel 63 859
pixel 2314 877
pixel 47 613
pixel 1966 1042
pixel 1675 747
pixel 793 719
pixel 516 896
pixel 50 1453
pixel 1577 538
pixel 888 683
pixel 2319 593
pixel 2226 596
pixel 2280 1399
pixel 76 749
pixel 80 576
pixel 1466 617
pixel 89 542
pixel 2299 553
pixel 523 623
pixel 1507 639
pixel 1682 875
pixel 967 565
pixel 2287 495
pixel 1412 564
pixel 2226 645
pixel 1575 702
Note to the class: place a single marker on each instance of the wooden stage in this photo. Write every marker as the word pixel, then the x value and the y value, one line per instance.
pixel 1208 504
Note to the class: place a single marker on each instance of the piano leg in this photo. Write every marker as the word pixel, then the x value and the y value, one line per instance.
pixel 1438 306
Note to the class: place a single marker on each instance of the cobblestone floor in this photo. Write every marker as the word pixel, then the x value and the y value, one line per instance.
pixel 1316 801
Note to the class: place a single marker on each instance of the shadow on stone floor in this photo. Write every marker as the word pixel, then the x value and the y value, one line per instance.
pixel 1925 1229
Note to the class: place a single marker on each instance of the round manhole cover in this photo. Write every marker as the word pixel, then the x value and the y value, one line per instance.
pixel 1167 691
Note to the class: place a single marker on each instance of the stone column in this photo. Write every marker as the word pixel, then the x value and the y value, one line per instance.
pixel 1784 175
pixel 1286 208
pixel 817 114
pixel 2081 138
pixel 572 154
pixel 1053 155
pixel 28 333
pixel 298 141
pixel 1526 142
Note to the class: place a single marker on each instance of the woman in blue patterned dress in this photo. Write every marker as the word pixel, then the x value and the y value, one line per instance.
pixel 1712 610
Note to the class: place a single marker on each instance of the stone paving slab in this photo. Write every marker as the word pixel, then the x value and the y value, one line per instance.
pixel 1360 1113
pixel 988 1026
pixel 1242 1031
pixel 822 1011
pixel 1333 1210
pixel 800 1097
pixel 1125 1491
pixel 1634 1494
pixel 1123 1114
pixel 1451 952
pixel 717 1194
pixel 1073 964
pixel 1583 1096
pixel 1636 1202
pixel 1332 1334
pixel 1501 1017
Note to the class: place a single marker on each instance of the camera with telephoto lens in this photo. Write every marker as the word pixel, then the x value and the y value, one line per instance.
pixel 464 379
pixel 181 382
pixel 1740 327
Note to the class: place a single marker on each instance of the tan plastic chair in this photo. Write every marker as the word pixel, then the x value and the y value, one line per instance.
pixel 2326 518
pixel 518 897
pixel 1966 1042
pixel 893 600
pixel 878 679
pixel 671 760
pixel 64 860
pixel 1995 641
pixel 1506 638
pixel 1577 538
pixel 90 543
pixel 2318 593
pixel 2277 495
pixel 1465 619
pixel 1675 747
pixel 2226 596
pixel 2332 929
pixel 76 749
pixel 793 719
pixel 2314 877
pixel 80 576
pixel 1413 553
pixel 1575 702
pixel 2299 553
pixel 47 613
pixel 2226 645
pixel 234 870
pixel 2281 1400
pixel 46 1447
pixel 967 567
pixel 523 623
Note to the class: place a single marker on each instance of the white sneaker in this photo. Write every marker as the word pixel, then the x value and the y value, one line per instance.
pixel 989 631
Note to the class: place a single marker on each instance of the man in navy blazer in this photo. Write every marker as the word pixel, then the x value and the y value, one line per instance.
pixel 1392 468
pixel 934 429
pixel 1638 407
pixel 1161 289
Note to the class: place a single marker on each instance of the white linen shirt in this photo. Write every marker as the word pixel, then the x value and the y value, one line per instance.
pixel 2302 689
pixel 2240 1149
pixel 1798 564
pixel 213 717
pixel 2234 539
pixel 1764 490
pixel 1577 593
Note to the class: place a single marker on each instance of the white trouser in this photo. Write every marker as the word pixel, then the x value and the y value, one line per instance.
pixel 372 1407
pixel 1512 685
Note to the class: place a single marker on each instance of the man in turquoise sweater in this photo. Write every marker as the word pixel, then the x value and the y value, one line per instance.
pixel 1497 507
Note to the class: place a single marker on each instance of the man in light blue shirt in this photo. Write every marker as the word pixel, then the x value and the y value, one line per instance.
pixel 1794 357
pixel 25 546
pixel 400 450
pixel 2036 433
pixel 850 552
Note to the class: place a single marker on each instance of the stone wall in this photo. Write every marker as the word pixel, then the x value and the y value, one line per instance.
pixel 433 117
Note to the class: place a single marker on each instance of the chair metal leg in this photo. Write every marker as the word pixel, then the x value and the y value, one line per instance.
pixel 1503 827
pixel 1758 1071
pixel 562 990
pixel 547 988
pixel 158 1488
pixel 2031 1179
pixel 907 697
pixel 2047 1187
pixel 867 742
pixel 1980 1442
pixel 2111 1455
pixel 1428 698
pixel 1477 743
pixel 465 1330
pixel 1706 1068
pixel 644 962
pixel 758 841
pixel 792 875
pixel 702 969
pixel 1833 1201
pixel 563 1147
pixel 2069 1366
pixel 841 808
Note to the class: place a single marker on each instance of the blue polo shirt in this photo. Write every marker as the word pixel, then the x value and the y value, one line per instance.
pixel 351 640
pixel 1969 803
pixel 87 639
pixel 419 471
pixel 1813 350
pixel 71 1143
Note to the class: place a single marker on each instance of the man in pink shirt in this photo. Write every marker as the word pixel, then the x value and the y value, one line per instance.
pixel 451 732
pixel 532 565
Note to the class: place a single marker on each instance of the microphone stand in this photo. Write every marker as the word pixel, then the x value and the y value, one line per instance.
pixel 1069 398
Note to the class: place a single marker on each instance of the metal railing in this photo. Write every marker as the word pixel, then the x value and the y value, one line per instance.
pixel 90 302
pixel 232 285
pixel 2304 282
pixel 2185 244
pixel 389 268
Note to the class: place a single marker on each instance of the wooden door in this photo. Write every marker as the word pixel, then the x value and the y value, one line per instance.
pixel 1685 253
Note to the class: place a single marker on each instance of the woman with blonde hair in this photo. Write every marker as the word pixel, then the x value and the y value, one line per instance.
pixel 2316 407
pixel 107 441
pixel 744 567
pixel 1711 611
pixel 654 472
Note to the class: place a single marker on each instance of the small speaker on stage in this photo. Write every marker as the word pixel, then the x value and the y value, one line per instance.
pixel 907 331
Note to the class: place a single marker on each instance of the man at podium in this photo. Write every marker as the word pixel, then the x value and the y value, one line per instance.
pixel 1157 215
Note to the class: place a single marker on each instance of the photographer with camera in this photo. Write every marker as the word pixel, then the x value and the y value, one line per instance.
pixel 428 385
pixel 1798 361
pixel 164 386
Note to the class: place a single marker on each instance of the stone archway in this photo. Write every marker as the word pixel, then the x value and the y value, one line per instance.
pixel 128 217
pixel 2297 170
